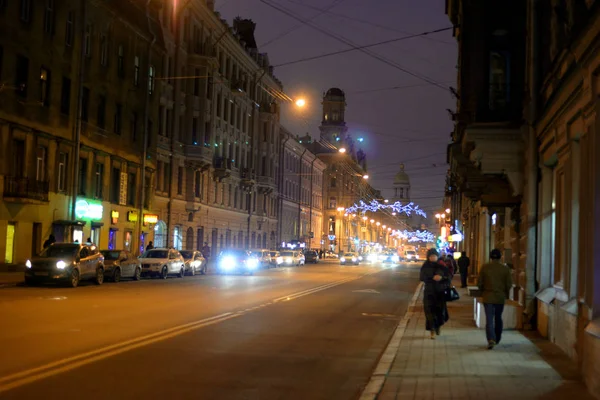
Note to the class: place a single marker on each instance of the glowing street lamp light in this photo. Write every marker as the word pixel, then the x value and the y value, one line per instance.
pixel 385 226
pixel 300 103
pixel 438 216
pixel 340 209
pixel 342 150
pixel 372 220
pixel 378 223
pixel 365 176
pixel 365 218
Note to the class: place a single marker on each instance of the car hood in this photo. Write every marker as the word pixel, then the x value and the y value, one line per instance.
pixel 153 260
pixel 50 260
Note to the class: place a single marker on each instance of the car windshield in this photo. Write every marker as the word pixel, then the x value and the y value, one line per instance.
pixel 311 253
pixel 110 254
pixel 234 253
pixel 156 254
pixel 349 255
pixel 410 252
pixel 60 251
pixel 273 253
pixel 187 254
pixel 287 254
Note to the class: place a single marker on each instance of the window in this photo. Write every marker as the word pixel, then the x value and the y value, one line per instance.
pixel 133 126
pixel 22 75
pixel 85 104
pixel 115 185
pixel 197 82
pixel 70 28
pixel 117 122
pixel 40 165
pixel 25 10
pixel 101 115
pixel 131 178
pixel 62 172
pixel 332 202
pixel 45 86
pixel 82 176
pixel 87 49
pixel 49 17
pixel 65 96
pixel 103 50
pixel 18 158
pixel 198 184
pixel 136 70
pixel 499 76
pixel 120 61
pixel 99 179
pixel 180 180
pixel 151 79
pixel 333 182
pixel 195 130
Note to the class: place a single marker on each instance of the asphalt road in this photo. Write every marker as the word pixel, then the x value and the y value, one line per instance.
pixel 313 332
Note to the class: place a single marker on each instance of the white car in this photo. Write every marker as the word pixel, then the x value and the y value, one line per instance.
pixel 162 263
pixel 349 258
pixel 292 258
pixel 411 255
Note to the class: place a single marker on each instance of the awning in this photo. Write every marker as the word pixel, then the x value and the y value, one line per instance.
pixel 97 224
pixel 67 222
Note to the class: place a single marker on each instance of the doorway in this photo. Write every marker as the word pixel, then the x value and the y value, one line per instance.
pixel 36 238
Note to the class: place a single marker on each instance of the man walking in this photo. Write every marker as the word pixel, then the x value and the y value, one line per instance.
pixel 463 267
pixel 494 282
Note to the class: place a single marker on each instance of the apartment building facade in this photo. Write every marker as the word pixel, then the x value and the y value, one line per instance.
pixel 77 92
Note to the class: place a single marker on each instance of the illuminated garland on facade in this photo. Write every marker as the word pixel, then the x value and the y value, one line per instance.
pixel 396 207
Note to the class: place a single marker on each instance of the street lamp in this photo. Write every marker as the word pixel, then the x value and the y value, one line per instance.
pixel 365 176
pixel 447 211
pixel 300 103
pixel 342 150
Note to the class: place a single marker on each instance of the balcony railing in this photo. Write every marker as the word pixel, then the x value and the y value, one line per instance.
pixel 25 188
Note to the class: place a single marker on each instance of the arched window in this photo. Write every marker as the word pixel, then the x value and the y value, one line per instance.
pixel 160 234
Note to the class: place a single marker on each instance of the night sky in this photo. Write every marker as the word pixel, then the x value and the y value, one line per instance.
pixel 408 124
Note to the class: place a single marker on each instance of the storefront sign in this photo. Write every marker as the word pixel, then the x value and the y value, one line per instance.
pixel 123 189
pixel 114 217
pixel 132 216
pixel 150 219
pixel 86 210
pixel 331 237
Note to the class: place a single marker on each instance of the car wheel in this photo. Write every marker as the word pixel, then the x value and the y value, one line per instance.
pixel 117 275
pixel 30 282
pixel 99 276
pixel 137 275
pixel 74 278
pixel 182 272
pixel 164 274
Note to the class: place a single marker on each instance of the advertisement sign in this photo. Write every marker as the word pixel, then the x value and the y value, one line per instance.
pixel 150 219
pixel 132 216
pixel 123 189
pixel 87 210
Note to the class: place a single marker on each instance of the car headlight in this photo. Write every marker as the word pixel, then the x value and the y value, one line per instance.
pixel 61 264
pixel 252 263
pixel 360 258
pixel 353 259
pixel 343 259
pixel 372 257
pixel 28 264
pixel 288 260
pixel 279 260
pixel 228 263
pixel 395 258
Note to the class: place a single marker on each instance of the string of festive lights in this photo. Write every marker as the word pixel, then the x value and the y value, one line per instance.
pixel 415 236
pixel 397 207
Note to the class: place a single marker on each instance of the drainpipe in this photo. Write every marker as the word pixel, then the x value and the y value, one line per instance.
pixel 312 171
pixel 79 114
pixel 532 171
pixel 281 187
pixel 146 133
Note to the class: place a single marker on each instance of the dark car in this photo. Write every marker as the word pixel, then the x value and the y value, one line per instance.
pixel 236 260
pixel 311 256
pixel 121 264
pixel 66 262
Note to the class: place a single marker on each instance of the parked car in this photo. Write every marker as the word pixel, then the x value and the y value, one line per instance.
pixel 66 262
pixel 264 257
pixel 121 264
pixel 194 262
pixel 236 260
pixel 276 259
pixel 162 263
pixel 293 257
pixel 311 256
pixel 331 254
pixel 349 258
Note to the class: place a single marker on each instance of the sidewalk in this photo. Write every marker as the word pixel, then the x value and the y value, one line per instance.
pixel 8 279
pixel 457 364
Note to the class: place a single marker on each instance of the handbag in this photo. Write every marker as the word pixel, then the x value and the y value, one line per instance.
pixel 451 294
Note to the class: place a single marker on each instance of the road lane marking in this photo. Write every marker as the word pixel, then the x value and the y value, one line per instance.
pixel 31 375
pixel 366 291
pixel 375 384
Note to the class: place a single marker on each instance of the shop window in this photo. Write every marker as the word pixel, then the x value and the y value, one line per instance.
pixel 10 243
pixel 127 242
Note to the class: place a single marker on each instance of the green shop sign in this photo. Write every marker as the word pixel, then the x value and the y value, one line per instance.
pixel 86 210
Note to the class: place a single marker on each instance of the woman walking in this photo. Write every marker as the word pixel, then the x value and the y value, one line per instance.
pixel 437 279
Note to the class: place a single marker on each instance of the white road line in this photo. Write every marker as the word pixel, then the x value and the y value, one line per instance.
pixel 375 384
pixel 12 381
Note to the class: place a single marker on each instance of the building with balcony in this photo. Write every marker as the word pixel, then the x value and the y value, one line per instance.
pixel 218 134
pixel 301 193
pixel 67 70
pixel 524 160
